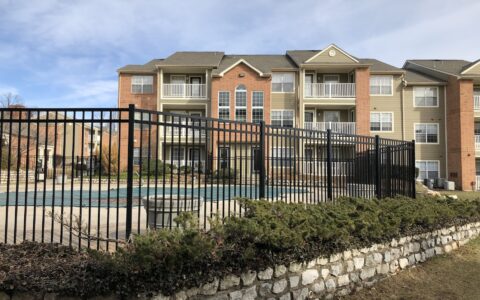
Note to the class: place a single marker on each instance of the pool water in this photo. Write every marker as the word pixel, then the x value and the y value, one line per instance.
pixel 106 198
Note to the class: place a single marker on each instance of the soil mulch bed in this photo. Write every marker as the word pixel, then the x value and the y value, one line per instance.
pixel 51 267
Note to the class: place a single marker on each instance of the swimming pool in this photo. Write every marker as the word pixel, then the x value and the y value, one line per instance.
pixel 110 198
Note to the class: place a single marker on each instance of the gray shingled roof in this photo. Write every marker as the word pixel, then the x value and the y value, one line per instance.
pixel 301 56
pixel 193 59
pixel 450 66
pixel 147 68
pixel 264 63
pixel 413 77
pixel 379 66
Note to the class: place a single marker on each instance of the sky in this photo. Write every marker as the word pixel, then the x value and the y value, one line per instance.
pixel 66 53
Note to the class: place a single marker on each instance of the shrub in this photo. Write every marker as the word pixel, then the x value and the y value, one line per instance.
pixel 267 234
pixel 224 174
pixel 185 169
pixel 156 168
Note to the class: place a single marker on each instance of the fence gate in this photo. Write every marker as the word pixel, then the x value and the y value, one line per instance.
pixel 93 177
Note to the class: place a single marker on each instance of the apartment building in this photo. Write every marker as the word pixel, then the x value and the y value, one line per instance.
pixel 321 89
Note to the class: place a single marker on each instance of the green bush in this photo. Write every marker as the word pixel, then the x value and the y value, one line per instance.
pixel 156 168
pixel 267 234
pixel 224 174
pixel 185 169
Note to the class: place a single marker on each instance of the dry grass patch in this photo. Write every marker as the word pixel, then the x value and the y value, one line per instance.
pixel 453 276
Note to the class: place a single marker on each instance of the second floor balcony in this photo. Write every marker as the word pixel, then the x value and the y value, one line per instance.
pixel 476 102
pixel 336 127
pixel 329 90
pixel 184 91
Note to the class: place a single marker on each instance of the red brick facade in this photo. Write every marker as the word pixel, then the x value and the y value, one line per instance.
pixel 460 130
pixel 143 101
pixel 242 74
pixel 362 108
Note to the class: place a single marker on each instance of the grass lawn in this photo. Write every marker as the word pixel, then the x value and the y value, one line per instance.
pixel 461 194
pixel 453 276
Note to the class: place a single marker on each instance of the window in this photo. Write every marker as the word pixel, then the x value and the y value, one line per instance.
pixel 381 121
pixel 142 84
pixel 223 157
pixel 283 82
pixel 381 85
pixel 141 120
pixel 257 106
pixel 428 169
pixel 282 157
pixel 224 105
pixel 177 155
pixel 136 156
pixel 426 133
pixel 241 103
pixel 425 96
pixel 283 118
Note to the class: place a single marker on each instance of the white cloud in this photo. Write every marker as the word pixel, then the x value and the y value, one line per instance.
pixel 68 51
pixel 8 89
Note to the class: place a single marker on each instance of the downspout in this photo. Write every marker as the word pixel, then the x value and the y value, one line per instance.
pixel 445 128
pixel 402 96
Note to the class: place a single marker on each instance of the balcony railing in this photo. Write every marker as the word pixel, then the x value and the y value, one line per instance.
pixel 329 90
pixel 477 183
pixel 183 90
pixel 477 142
pixel 476 102
pixel 192 131
pixel 337 127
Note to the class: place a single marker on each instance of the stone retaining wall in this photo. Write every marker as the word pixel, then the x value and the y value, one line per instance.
pixel 326 277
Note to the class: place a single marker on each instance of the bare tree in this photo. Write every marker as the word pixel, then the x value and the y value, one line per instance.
pixel 9 99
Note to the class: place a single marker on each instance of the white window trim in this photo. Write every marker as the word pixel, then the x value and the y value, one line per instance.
pixel 229 158
pixel 241 107
pixel 282 110
pixel 294 80
pixel 383 112
pixel 141 93
pixel 415 133
pixel 224 107
pixel 259 107
pixel 427 161
pixel 272 158
pixel 437 92
pixel 379 95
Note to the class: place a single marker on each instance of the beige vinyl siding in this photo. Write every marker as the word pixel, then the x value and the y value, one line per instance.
pixel 283 101
pixel 475 70
pixel 426 115
pixel 326 58
pixel 391 104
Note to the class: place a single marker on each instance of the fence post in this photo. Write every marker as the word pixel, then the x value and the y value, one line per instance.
pixel 329 165
pixel 131 133
pixel 378 187
pixel 262 161
pixel 414 171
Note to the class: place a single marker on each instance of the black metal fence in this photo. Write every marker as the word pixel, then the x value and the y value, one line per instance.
pixel 92 177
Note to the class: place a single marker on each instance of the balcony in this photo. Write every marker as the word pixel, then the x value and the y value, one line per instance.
pixel 477 145
pixel 177 131
pixel 476 102
pixel 184 91
pixel 336 127
pixel 329 90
